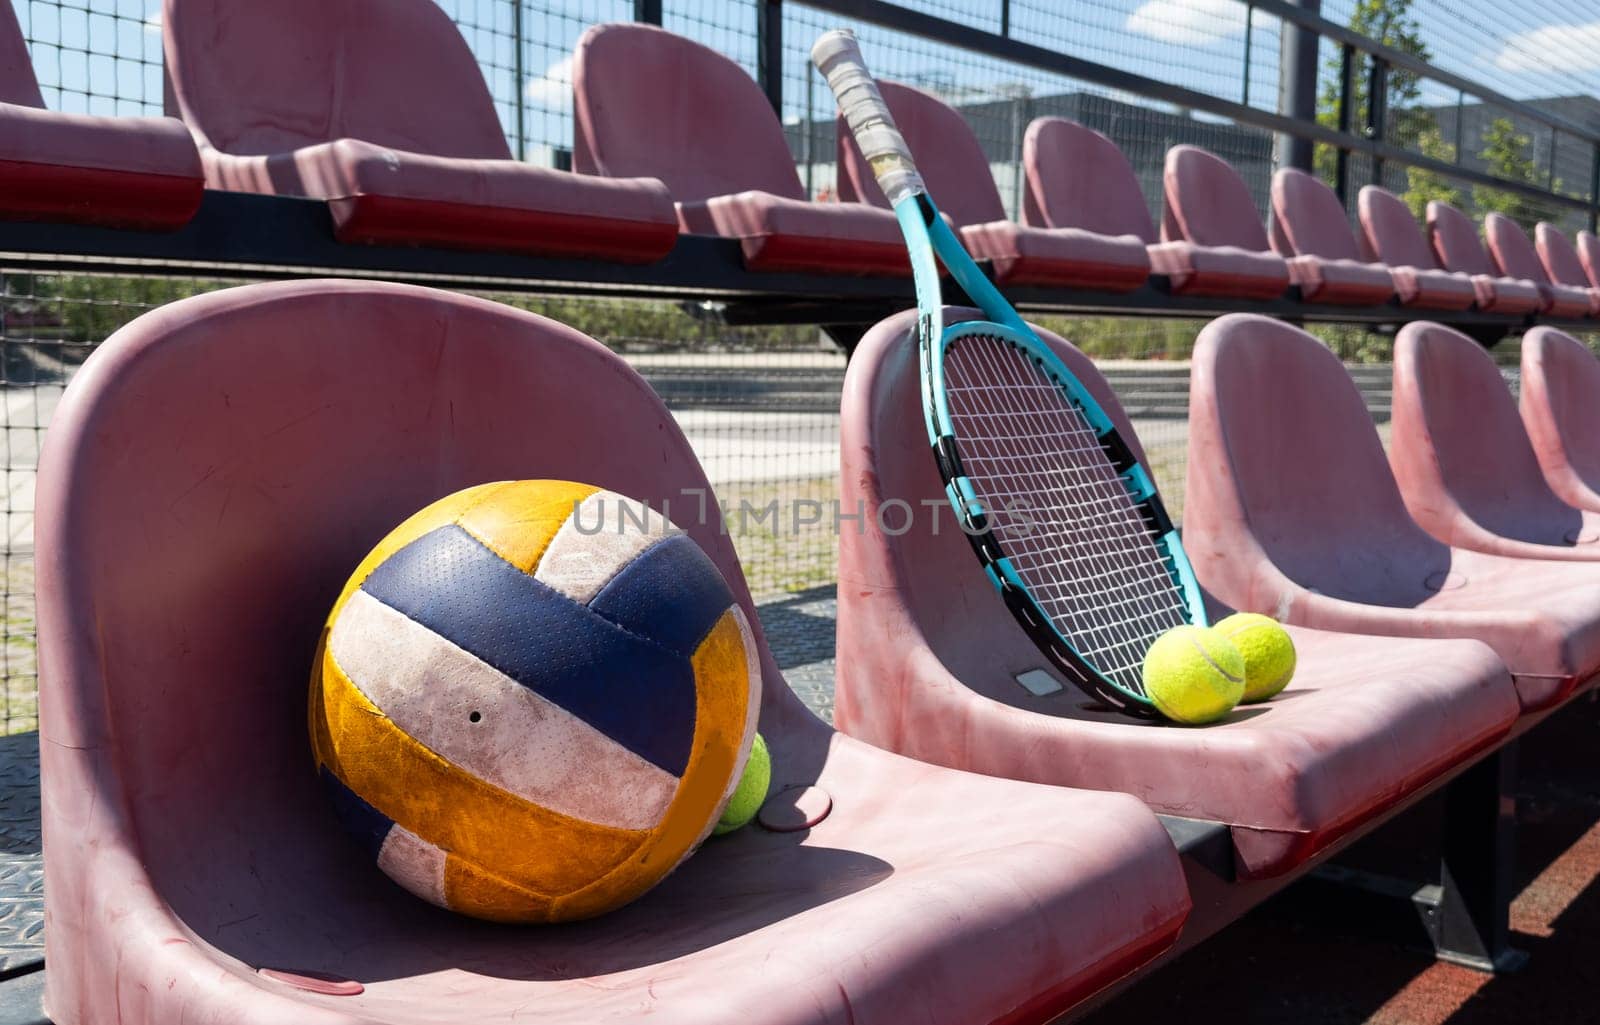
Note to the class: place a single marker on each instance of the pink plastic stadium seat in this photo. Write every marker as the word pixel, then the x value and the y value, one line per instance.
pixel 1561 263
pixel 1589 255
pixel 1212 241
pixel 378 107
pixel 125 172
pixel 214 473
pixel 650 102
pixel 958 174
pixel 1560 407
pixel 930 659
pixel 1307 226
pixel 1456 244
pixel 1514 256
pixel 1078 178
pixel 1392 237
pixel 1465 467
pixel 1291 510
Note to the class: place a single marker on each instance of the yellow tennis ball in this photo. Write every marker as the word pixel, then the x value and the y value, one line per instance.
pixel 1268 653
pixel 751 791
pixel 1193 675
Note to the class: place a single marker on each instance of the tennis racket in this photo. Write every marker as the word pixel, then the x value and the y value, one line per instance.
pixel 1064 520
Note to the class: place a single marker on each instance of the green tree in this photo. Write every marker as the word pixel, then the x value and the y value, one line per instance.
pixel 1391 23
pixel 1508 154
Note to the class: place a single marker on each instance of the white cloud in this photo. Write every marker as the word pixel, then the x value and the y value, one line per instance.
pixel 553 89
pixel 1188 21
pixel 152 24
pixel 1551 48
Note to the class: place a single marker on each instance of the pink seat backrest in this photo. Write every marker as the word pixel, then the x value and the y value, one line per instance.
pixel 1511 249
pixel 1389 234
pixel 955 168
pixel 1455 240
pixel 1589 255
pixel 18 83
pixel 216 471
pixel 1207 203
pixel 1556 255
pixel 1078 178
pixel 648 103
pixel 1279 431
pixel 1460 425
pixel 1307 220
pixel 1562 377
pixel 930 563
pixel 268 78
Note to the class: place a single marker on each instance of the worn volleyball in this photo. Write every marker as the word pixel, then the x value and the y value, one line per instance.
pixel 533 700
pixel 1268 653
pixel 1193 675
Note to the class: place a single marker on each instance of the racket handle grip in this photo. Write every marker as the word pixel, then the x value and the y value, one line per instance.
pixel 838 56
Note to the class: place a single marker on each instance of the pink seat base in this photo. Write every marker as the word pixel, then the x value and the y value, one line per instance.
pixel 779 234
pixel 1059 256
pixel 1225 271
pixel 1433 289
pixel 1345 282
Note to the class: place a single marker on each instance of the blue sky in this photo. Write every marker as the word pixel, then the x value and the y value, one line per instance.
pixel 103 56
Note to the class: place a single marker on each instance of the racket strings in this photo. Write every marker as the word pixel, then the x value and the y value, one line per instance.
pixel 1058 508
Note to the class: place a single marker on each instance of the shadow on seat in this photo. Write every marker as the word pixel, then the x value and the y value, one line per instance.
pixel 1307 227
pixel 648 102
pixel 1291 510
pixel 1455 242
pixel 1392 237
pixel 379 108
pixel 957 172
pixel 123 172
pixel 1212 241
pixel 1463 461
pixel 1513 256
pixel 216 470
pixel 1560 406
pixel 1365 723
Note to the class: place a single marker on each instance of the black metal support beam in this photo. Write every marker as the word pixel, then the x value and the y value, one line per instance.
pixel 1468 913
pixel 769 51
pixel 1297 86
pixel 1347 75
pixel 1377 111
pixel 647 11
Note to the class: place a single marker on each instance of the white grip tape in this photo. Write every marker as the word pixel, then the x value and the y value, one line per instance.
pixel 838 56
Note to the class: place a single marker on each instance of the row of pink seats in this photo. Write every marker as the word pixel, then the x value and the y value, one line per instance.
pixel 1294 510
pixel 378 108
pixel 212 473
pixel 194 865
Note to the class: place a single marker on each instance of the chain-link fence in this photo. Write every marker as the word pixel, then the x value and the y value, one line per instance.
pixel 760 404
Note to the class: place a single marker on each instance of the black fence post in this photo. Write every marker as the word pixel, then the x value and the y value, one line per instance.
pixel 1297 86
pixel 1347 76
pixel 522 80
pixel 1377 111
pixel 1594 186
pixel 1005 18
pixel 647 11
pixel 769 51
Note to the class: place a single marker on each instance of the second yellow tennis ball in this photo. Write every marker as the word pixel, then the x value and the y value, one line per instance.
pixel 1193 675
pixel 1268 653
